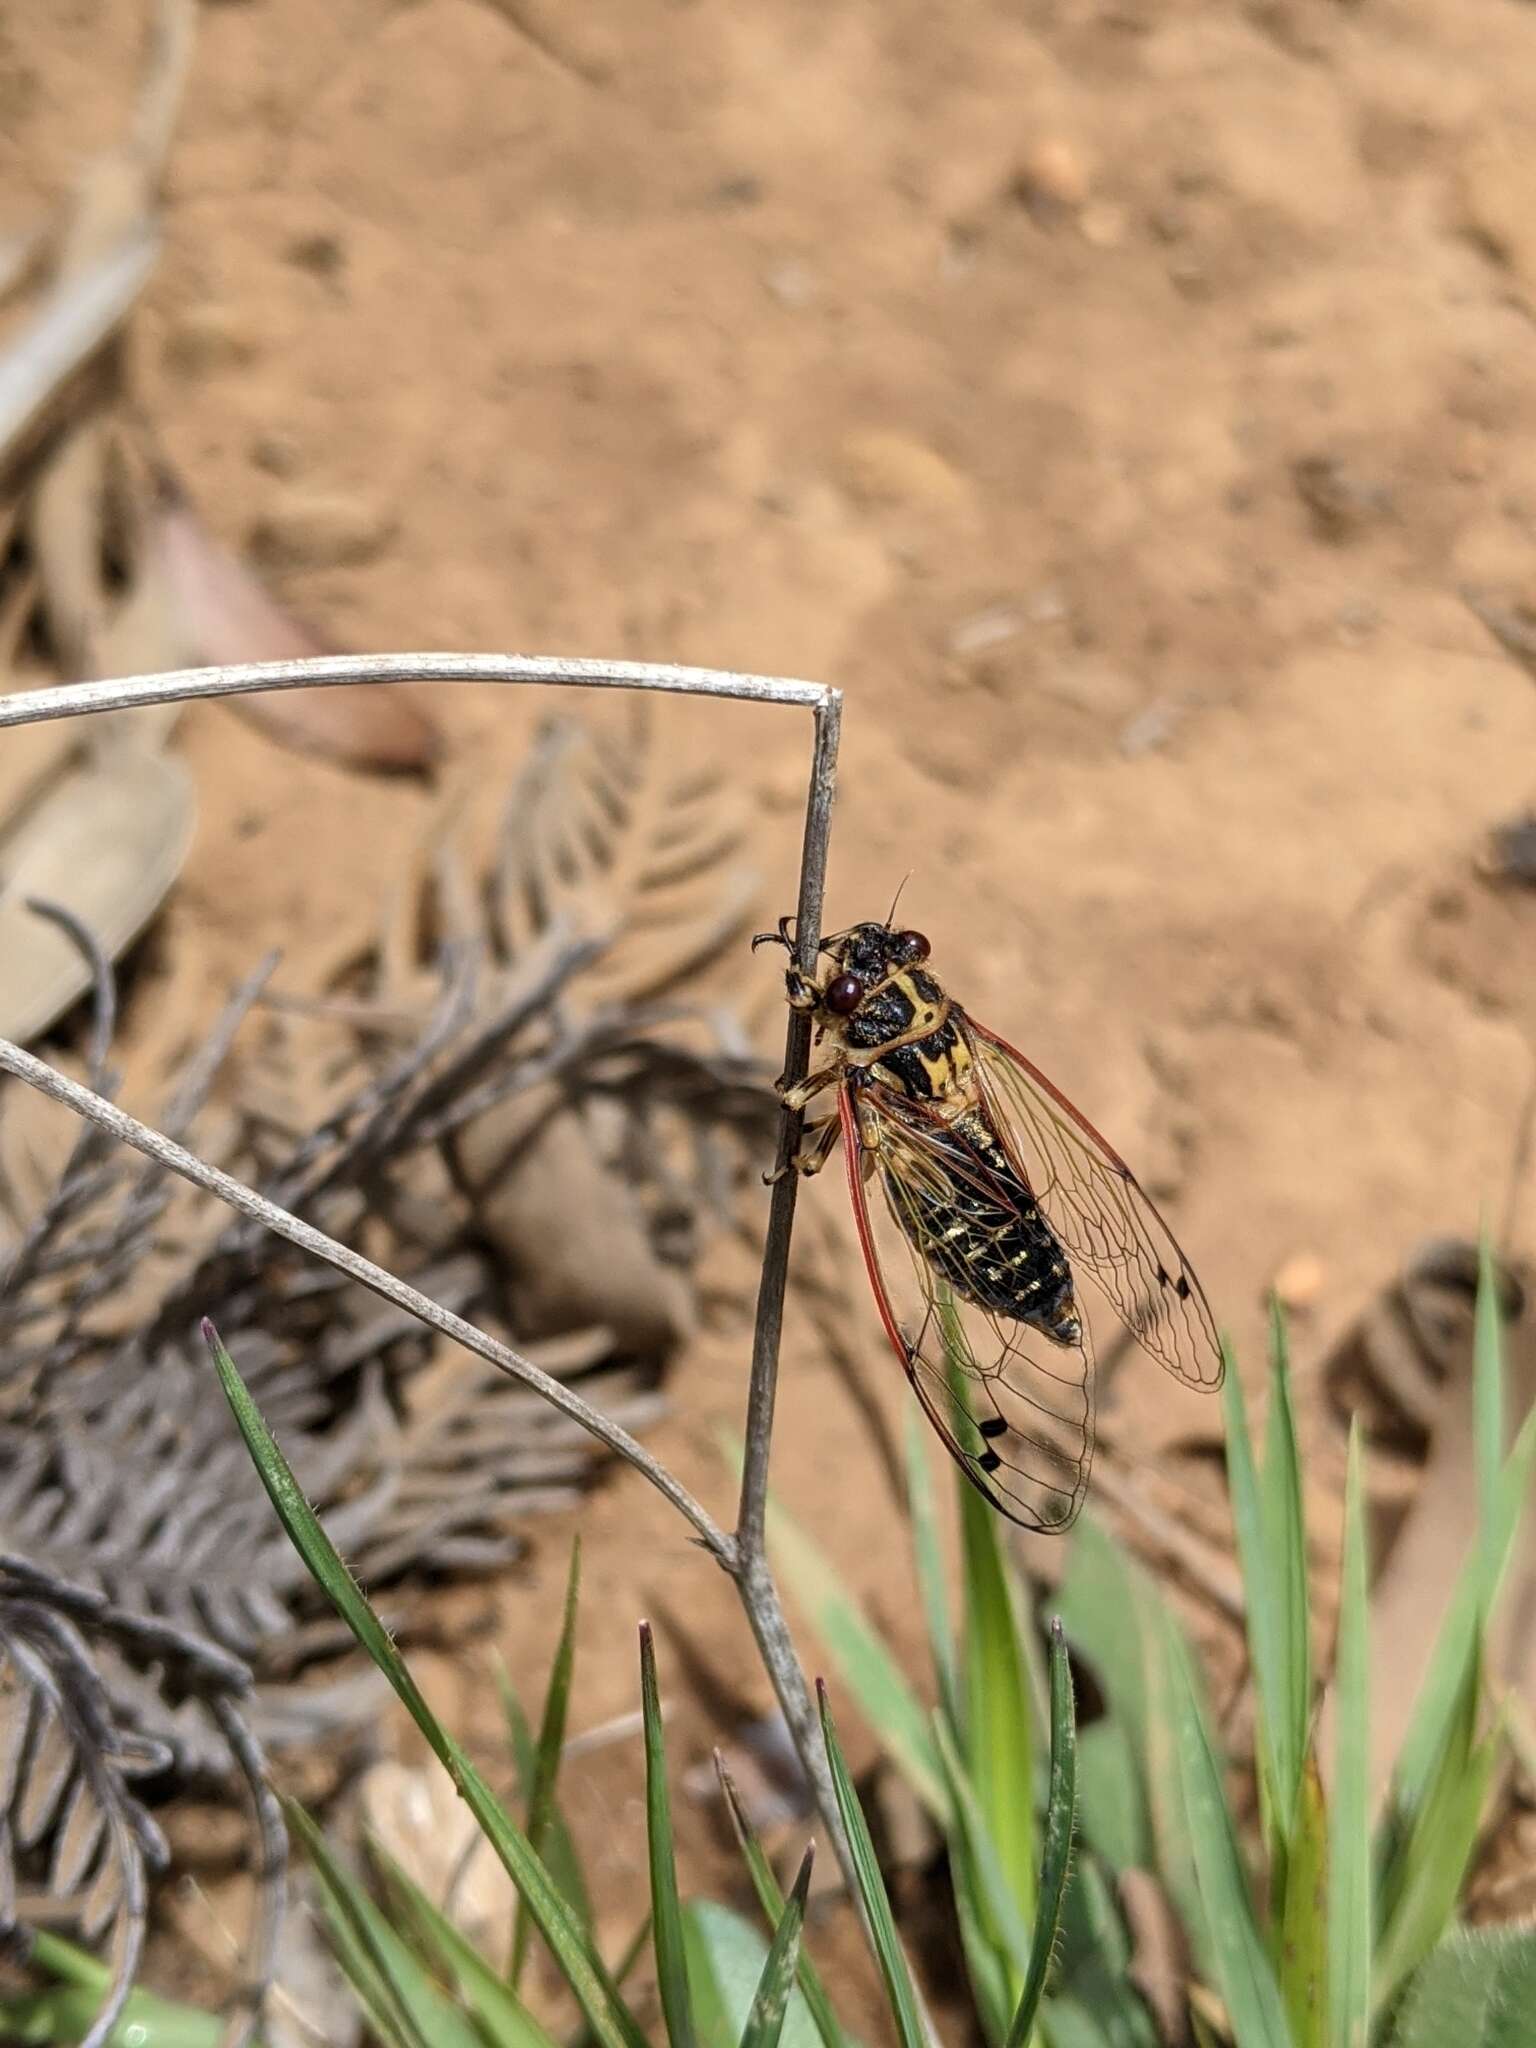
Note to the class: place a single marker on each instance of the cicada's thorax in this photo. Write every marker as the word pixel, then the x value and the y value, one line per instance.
pixel 906 1034
pixel 985 1234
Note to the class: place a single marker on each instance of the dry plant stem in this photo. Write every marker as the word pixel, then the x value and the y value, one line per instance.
pixel 743 1554
pixel 183 686
pixel 759 1594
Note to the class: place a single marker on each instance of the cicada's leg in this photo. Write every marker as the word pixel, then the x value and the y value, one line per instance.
pixel 816 1148
pixel 869 1145
pixel 797 1096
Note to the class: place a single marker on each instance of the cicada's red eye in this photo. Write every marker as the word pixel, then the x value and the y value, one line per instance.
pixel 913 946
pixel 844 994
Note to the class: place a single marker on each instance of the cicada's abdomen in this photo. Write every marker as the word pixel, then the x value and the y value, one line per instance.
pixel 981 1230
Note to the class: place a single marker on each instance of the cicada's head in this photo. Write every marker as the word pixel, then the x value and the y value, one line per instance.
pixel 859 961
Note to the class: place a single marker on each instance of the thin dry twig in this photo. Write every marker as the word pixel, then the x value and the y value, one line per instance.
pixel 37 1074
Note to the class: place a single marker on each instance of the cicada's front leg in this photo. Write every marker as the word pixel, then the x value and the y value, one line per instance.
pixel 817 1145
pixel 797 1094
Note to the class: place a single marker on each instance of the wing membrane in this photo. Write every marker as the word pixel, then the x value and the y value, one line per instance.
pixel 1013 1406
pixel 1110 1227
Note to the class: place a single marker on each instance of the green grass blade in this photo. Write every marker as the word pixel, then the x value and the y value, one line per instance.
pixel 403 2004
pixel 866 1666
pixel 771 1899
pixel 610 2020
pixel 1104 1602
pixel 558 1851
pixel 770 2002
pixel 1094 1968
pixel 899 1990
pixel 1303 1954
pixel 503 2019
pixel 542 1815
pixel 1116 1619
pixel 1244 1974
pixel 1433 1859
pixel 666 1906
pixel 65 2011
pixel 976 1874
pixel 1488 1406
pixel 726 1955
pixel 929 1559
pixel 1285 1543
pixel 1265 1583
pixel 998 1743
pixel 1061 1808
pixel 1350 1904
pixel 984 1967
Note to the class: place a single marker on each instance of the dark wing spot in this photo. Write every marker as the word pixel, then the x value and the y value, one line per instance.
pixel 988 1461
pixel 1163 1276
pixel 992 1425
pixel 1181 1289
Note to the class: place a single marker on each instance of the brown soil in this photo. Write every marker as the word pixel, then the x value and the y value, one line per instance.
pixel 1112 398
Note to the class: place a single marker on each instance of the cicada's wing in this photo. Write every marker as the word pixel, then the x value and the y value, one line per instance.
pixel 1013 1406
pixel 1111 1228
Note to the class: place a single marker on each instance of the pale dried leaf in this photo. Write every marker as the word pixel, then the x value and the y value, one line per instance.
pixel 105 842
pixel 227 615
pixel 79 317
pixel 571 1233
pixel 417 1818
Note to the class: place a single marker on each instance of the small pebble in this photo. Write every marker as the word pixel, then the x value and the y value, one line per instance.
pixel 1343 501
pixel 989 628
pixel 883 468
pixel 206 339
pixel 1052 178
pixel 321 530
pixel 1299 1280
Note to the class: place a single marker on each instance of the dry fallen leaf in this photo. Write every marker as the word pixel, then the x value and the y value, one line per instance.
pixel 415 1815
pixel 1412 1357
pixel 570 1230
pixel 105 842
pixel 1159 1966
pixel 226 614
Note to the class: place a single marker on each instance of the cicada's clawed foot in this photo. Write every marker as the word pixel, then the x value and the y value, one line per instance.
pixel 796 1094
pixel 815 1150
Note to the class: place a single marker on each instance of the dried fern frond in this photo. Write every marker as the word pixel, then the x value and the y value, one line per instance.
pixel 605 838
pixel 78 1845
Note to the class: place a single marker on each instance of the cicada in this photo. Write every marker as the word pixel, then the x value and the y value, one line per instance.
pixel 1001 1202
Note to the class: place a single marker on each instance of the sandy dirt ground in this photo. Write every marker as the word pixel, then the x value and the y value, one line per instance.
pixel 1111 398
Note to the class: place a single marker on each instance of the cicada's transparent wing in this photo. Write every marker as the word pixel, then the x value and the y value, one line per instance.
pixel 1109 1226
pixel 1012 1404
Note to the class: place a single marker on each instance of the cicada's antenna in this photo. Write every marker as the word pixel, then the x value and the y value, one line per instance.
pixel 891 913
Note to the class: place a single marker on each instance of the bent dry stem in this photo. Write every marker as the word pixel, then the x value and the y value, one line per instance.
pixel 741 1553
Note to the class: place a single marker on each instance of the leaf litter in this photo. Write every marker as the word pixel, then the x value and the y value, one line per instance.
pixel 107 570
